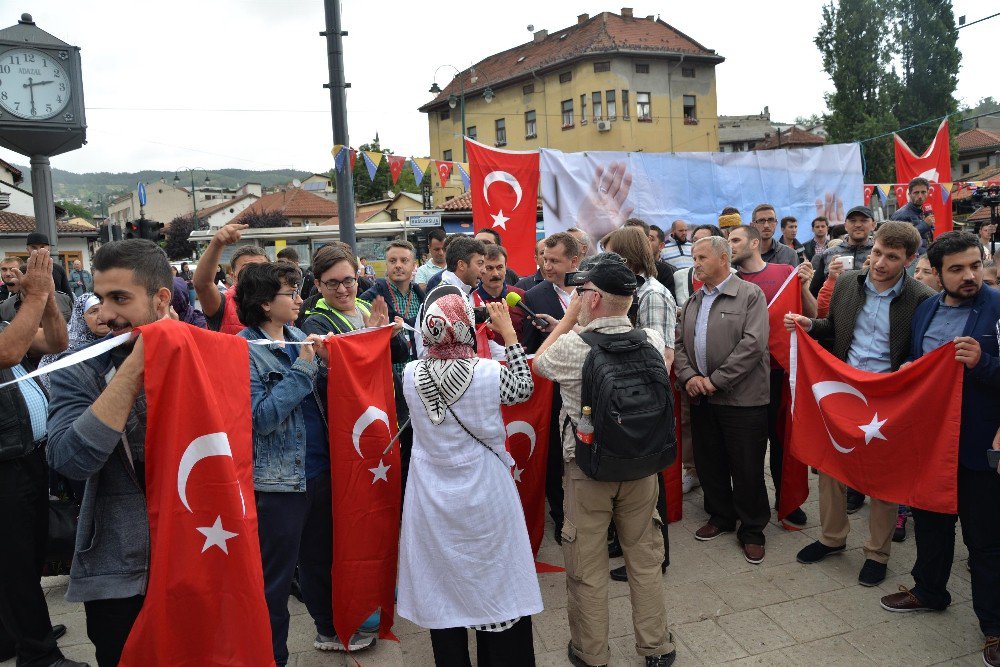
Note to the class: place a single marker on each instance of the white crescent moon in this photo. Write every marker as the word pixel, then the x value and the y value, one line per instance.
pixel 495 176
pixel 823 389
pixel 213 444
pixel 369 417
pixel 525 428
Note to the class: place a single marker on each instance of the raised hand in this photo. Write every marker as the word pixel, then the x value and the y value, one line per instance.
pixel 229 234
pixel 380 313
pixel 605 208
pixel 832 208
pixel 37 279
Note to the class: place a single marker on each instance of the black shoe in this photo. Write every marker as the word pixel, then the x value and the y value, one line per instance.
pixel 855 499
pixel 797 516
pixel 661 660
pixel 872 573
pixel 619 573
pixel 615 549
pixel 817 551
pixel 575 660
pixel 58 631
pixel 296 590
pixel 63 662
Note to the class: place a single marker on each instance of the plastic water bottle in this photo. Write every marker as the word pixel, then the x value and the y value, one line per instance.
pixel 585 427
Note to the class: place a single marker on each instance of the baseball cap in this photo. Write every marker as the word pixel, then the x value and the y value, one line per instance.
pixel 37 238
pixel 608 271
pixel 863 210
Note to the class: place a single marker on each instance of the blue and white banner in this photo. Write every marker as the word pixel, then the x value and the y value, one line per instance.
pixel 598 191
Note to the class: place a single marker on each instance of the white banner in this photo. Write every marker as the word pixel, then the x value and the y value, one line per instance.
pixel 598 191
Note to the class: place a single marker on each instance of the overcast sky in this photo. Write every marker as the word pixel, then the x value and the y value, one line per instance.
pixel 238 83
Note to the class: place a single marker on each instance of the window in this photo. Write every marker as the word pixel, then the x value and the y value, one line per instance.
pixel 565 77
pixel 984 163
pixel 567 113
pixel 444 114
pixel 472 133
pixel 528 89
pixel 690 110
pixel 609 97
pixel 642 107
pixel 965 168
pixel 687 72
pixel 446 155
pixel 530 128
pixel 597 106
pixel 625 103
pixel 583 109
pixel 642 68
pixel 603 66
pixel 501 127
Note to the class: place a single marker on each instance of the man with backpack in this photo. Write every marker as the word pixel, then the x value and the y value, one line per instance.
pixel 619 374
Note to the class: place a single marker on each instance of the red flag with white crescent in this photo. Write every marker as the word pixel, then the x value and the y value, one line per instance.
pixel 365 479
pixel 873 431
pixel 205 597
pixel 396 163
pixel 869 191
pixel 527 426
pixel 444 171
pixel 788 299
pixel 505 198
pixel 934 165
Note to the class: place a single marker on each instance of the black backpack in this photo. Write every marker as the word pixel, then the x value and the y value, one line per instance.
pixel 628 388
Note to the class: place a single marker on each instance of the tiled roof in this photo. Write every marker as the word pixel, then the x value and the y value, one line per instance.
pixel 366 211
pixel 982 213
pixel 15 172
pixel 603 34
pixel 791 138
pixel 977 139
pixel 989 174
pixel 14 223
pixel 215 208
pixel 463 202
pixel 292 204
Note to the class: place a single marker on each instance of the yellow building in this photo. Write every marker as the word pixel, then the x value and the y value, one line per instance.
pixel 612 82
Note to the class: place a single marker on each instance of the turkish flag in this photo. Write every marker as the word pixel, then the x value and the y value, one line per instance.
pixel 874 431
pixel 869 191
pixel 787 300
pixel 527 426
pixel 396 163
pixel 505 198
pixel 934 165
pixel 901 195
pixel 672 483
pixel 444 171
pixel 365 479
pixel 205 598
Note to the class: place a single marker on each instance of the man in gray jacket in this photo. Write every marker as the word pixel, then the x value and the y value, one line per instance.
pixel 722 362
pixel 97 433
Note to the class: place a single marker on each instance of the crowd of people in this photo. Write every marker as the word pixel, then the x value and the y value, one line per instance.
pixel 694 301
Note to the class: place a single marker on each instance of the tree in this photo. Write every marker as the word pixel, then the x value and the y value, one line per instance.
pixel 267 219
pixel 177 246
pixel 76 210
pixel 857 51
pixel 369 190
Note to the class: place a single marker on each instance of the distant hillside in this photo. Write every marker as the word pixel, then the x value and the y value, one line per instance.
pixel 69 185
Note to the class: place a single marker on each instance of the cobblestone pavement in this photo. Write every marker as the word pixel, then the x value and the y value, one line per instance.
pixel 722 609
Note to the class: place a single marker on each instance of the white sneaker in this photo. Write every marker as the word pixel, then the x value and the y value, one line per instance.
pixel 688 482
pixel 359 641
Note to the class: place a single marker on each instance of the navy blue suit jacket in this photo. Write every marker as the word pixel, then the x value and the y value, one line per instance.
pixel 981 385
pixel 541 299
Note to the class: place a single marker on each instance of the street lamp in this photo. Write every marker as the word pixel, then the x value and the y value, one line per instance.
pixel 459 100
pixel 194 198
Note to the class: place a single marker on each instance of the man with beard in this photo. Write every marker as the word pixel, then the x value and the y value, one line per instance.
pixel 913 212
pixel 857 245
pixel 97 433
pixel 677 249
pixel 967 314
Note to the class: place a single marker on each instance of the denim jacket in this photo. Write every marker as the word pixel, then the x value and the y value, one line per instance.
pixel 277 390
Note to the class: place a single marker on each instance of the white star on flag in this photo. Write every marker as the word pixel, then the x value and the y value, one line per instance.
pixel 873 429
pixel 380 473
pixel 216 536
pixel 500 220
pixel 517 473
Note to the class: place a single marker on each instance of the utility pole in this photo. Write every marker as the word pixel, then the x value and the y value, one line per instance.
pixel 338 108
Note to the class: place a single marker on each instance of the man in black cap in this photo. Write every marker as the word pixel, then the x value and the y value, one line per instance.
pixel 857 245
pixel 37 241
pixel 604 293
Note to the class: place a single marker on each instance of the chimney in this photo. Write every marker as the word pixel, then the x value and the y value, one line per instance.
pixel 582 18
pixel 626 12
pixel 650 18
pixel 540 35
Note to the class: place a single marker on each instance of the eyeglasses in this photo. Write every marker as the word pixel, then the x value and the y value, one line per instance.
pixel 587 289
pixel 296 294
pixel 765 221
pixel 332 284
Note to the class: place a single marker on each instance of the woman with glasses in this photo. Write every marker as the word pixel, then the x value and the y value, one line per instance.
pixel 291 458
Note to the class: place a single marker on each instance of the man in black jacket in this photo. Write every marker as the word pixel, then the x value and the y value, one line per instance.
pixel 913 212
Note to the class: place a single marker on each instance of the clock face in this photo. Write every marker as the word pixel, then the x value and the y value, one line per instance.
pixel 33 85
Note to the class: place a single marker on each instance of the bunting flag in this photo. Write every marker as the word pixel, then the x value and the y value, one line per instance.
pixel 420 166
pixel 396 163
pixel 335 151
pixel 902 196
pixel 354 158
pixel 365 479
pixel 934 165
pixel 463 171
pixel 205 596
pixel 883 190
pixel 444 171
pixel 340 159
pixel 371 159
pixel 869 191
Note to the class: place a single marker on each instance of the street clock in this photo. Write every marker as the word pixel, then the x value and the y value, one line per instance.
pixel 41 92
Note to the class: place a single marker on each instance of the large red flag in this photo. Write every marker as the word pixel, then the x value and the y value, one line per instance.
pixel 935 166
pixel 205 599
pixel 672 484
pixel 874 431
pixel 511 210
pixel 365 479
pixel 787 300
pixel 527 427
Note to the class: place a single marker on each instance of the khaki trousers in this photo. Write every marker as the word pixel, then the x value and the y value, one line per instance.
pixel 590 506
pixel 833 518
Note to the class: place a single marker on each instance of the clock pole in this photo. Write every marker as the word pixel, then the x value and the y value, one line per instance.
pixel 338 108
pixel 43 197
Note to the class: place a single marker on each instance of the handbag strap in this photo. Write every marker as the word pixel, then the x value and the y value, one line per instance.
pixel 460 423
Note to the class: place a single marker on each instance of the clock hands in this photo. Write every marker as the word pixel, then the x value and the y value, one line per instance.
pixel 31 90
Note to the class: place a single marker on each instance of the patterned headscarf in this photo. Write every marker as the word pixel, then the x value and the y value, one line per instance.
pixel 80 334
pixel 448 330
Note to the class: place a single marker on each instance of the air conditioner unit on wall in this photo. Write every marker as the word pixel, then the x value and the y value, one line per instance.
pixel 604 126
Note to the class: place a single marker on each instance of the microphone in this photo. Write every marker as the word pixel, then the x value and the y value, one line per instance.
pixel 514 300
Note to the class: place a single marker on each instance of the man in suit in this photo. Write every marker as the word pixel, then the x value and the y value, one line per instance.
pixel 527 282
pixel 968 314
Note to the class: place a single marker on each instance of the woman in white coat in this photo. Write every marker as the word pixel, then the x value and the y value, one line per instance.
pixel 464 556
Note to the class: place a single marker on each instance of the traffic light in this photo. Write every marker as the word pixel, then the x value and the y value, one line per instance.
pixel 104 233
pixel 151 230
pixel 133 230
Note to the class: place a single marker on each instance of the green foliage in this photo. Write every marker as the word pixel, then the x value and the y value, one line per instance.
pixel 986 105
pixel 369 190
pixel 176 244
pixel 76 210
pixel 261 220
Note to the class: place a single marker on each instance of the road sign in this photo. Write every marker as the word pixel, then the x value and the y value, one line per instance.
pixel 425 220
pixel 142 194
